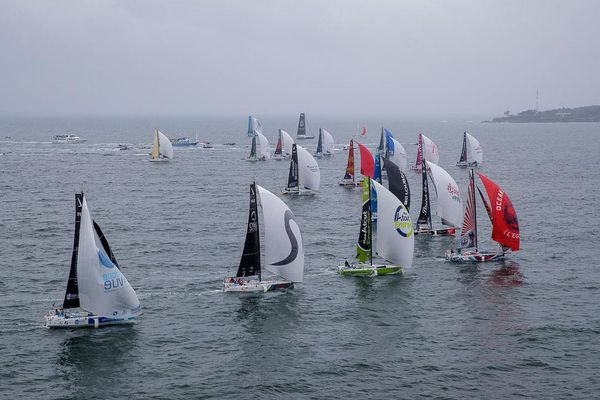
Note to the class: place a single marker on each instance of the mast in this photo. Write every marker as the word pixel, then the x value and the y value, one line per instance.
pixel 250 261
pixel 71 299
pixel 463 153
pixel 425 215
pixel 472 197
pixel 293 178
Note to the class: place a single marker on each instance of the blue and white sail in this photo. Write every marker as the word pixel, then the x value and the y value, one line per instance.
pixel 254 126
pixel 395 151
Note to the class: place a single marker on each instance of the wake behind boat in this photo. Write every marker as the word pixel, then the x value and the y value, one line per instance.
pixel 505 225
pixel 283 248
pixel 97 292
pixel 394 231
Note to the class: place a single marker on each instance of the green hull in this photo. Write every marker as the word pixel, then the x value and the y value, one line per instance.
pixel 367 270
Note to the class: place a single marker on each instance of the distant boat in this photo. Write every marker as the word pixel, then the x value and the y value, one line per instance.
pixel 229 144
pixel 505 225
pixel 184 142
pixel 206 145
pixel 259 148
pixel 304 178
pixel 254 126
pixel 471 154
pixel 124 147
pixel 283 248
pixel 97 292
pixel 162 150
pixel 426 150
pixel 283 149
pixel 449 203
pixel 349 179
pixel 325 144
pixel 301 134
pixel 68 139
pixel 394 232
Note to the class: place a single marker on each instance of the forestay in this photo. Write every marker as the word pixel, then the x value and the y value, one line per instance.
pixel 449 203
pixel 395 236
pixel 284 251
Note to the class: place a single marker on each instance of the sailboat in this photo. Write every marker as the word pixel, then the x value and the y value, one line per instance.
pixel 449 203
pixel 325 144
pixel 162 149
pixel 259 148
pixel 301 134
pixel 471 154
pixel 97 292
pixel 304 178
pixel 505 225
pixel 394 151
pixel 397 182
pixel 283 248
pixel 426 150
pixel 254 126
pixel 283 149
pixel 349 179
pixel 394 232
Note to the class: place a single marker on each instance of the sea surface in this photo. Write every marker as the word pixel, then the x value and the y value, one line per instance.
pixel 525 327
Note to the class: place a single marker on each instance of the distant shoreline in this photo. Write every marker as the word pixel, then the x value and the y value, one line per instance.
pixel 579 114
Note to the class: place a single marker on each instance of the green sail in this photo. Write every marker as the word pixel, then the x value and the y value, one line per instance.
pixel 363 247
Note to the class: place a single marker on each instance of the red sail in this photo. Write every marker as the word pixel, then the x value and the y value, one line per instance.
pixel 278 148
pixel 350 166
pixel 367 163
pixel 505 225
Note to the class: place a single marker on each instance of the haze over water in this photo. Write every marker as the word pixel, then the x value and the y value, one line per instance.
pixel 524 327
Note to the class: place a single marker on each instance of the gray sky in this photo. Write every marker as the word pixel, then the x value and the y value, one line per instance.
pixel 270 57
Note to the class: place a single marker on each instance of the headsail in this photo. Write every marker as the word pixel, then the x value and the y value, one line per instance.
pixel 449 203
pixel 327 143
pixel 254 126
pixel 72 294
pixel 166 148
pixel 284 251
pixel 395 152
pixel 397 182
pixel 425 214
pixel 287 142
pixel 250 262
pixel 468 234
pixel 103 289
pixel 395 238
pixel 364 245
pixel 309 174
pixel 505 225
pixel 475 153
pixel 263 146
pixel 426 150
pixel 293 176
pixel 350 165
pixel 367 163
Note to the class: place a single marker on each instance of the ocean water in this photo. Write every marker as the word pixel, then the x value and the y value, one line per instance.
pixel 525 327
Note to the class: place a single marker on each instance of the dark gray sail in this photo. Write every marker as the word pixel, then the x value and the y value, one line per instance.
pixel 381 147
pixel 293 177
pixel 425 214
pixel 320 143
pixel 463 153
pixel 250 262
pixel 397 182
pixel 72 294
pixel 105 244
pixel 301 126
pixel 253 147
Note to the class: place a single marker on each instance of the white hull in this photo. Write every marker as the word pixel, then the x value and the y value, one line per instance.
pixel 368 270
pixel 298 192
pixel 465 256
pixel 435 232
pixel 254 286
pixel 158 160
pixel 84 320
pixel 466 164
pixel 303 137
pixel 277 157
pixel 349 182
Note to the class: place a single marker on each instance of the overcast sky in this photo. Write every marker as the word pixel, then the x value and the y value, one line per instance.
pixel 272 57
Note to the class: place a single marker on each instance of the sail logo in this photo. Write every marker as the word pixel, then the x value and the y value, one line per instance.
pixel 252 225
pixel 454 193
pixel 402 222
pixel 287 217
pixel 113 280
pixel 499 198
pixel 104 260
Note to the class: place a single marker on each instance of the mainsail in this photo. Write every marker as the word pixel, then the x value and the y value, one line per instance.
pixel 279 146
pixel 72 294
pixel 505 225
pixel 367 163
pixel 397 182
pixel 468 234
pixel 250 261
pixel 253 148
pixel 381 146
pixel 155 146
pixel 425 214
pixel 463 152
pixel 293 181
pixel 395 238
pixel 284 251
pixel 364 245
pixel 350 165
pixel 254 126
pixel 449 203
pixel 319 151
pixel 301 125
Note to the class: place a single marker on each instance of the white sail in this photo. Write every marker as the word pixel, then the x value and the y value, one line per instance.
pixel 263 146
pixel 287 143
pixel 284 251
pixel 254 126
pixel 166 149
pixel 103 289
pixel 474 153
pixel 308 170
pixel 430 150
pixel 449 203
pixel 395 236
pixel 399 155
pixel 327 142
